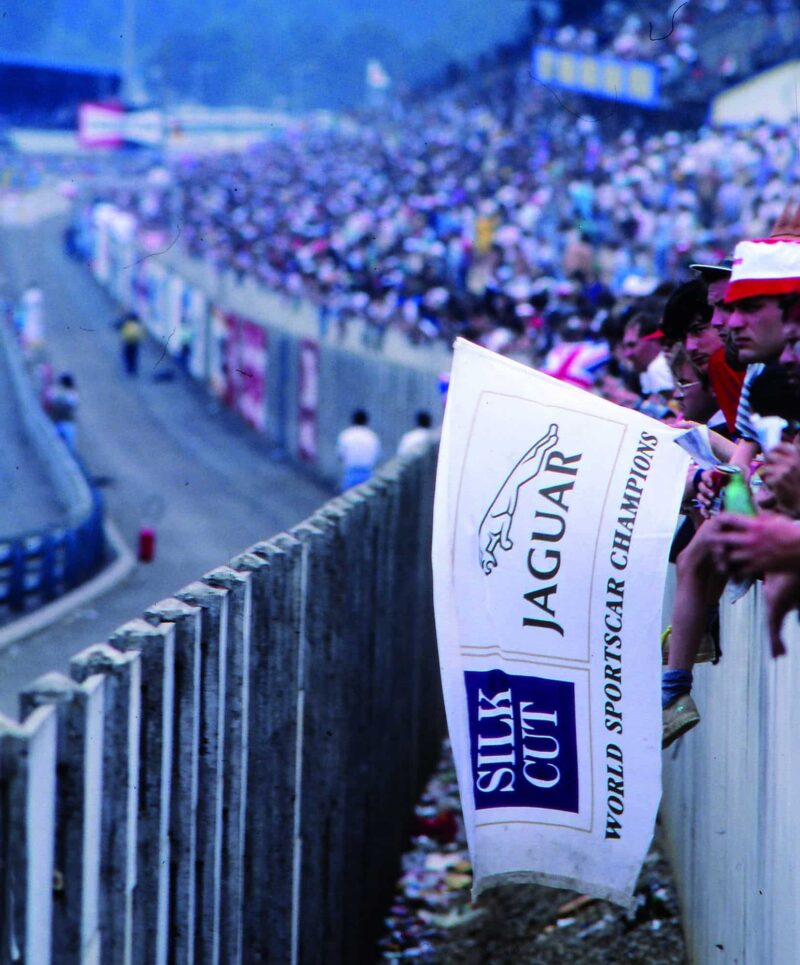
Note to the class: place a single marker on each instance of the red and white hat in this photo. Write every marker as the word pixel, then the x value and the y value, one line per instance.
pixel 765 266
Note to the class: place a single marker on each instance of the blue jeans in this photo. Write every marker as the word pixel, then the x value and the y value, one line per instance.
pixel 353 475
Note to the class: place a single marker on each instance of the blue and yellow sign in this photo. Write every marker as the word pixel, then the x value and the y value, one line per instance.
pixel 633 81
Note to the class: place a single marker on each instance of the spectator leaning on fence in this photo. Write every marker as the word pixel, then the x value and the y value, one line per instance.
pixel 769 543
pixel 687 321
pixel 763 292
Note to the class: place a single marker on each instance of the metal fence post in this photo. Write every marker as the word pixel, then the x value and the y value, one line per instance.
pixel 269 847
pixel 214 646
pixel 186 738
pixel 79 795
pixel 151 897
pixel 27 816
pixel 237 735
pixel 122 699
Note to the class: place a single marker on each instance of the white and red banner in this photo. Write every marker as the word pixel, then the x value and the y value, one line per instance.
pixel 553 519
pixel 112 125
pixel 250 373
pixel 100 125
pixel 308 400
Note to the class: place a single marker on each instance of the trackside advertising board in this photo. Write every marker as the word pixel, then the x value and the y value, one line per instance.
pixel 553 518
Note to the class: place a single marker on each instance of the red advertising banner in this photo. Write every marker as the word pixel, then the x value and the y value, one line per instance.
pixel 241 372
pixel 249 376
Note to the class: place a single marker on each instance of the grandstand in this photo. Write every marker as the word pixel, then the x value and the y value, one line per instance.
pixel 494 207
pixel 41 93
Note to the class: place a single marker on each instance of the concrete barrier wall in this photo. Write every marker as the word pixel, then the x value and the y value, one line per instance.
pixel 231 776
pixel 731 788
pixel 392 387
pixel 391 384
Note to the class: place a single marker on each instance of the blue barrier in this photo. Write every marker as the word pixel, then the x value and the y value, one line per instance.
pixel 42 564
pixel 39 566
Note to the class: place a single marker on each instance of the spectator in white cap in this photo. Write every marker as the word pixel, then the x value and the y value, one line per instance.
pixel 764 284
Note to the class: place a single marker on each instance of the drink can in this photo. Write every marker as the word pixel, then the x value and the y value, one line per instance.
pixel 720 477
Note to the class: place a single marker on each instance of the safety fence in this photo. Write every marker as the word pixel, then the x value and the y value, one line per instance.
pixel 731 788
pixel 231 777
pixel 255 352
pixel 40 565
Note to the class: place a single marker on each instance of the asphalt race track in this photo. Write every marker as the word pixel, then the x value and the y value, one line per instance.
pixel 162 447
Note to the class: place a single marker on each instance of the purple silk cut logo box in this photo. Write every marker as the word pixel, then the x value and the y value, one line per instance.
pixel 523 741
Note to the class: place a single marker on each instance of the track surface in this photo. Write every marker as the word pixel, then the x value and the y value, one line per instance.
pixel 27 497
pixel 155 442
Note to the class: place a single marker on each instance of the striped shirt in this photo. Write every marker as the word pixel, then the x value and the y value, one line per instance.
pixel 744 425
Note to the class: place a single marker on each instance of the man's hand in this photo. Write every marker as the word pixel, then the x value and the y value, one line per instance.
pixel 706 493
pixel 751 545
pixel 688 487
pixel 781 473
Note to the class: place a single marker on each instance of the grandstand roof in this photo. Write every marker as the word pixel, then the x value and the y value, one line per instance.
pixel 16 59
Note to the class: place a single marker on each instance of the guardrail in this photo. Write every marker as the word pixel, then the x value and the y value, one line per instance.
pixel 731 788
pixel 39 565
pixel 231 777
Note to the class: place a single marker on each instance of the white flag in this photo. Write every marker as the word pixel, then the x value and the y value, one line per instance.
pixel 553 519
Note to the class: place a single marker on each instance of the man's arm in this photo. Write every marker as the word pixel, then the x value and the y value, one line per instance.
pixel 751 545
pixel 745 452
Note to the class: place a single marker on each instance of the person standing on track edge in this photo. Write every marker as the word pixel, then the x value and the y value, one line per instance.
pixel 359 449
pixel 61 403
pixel 131 334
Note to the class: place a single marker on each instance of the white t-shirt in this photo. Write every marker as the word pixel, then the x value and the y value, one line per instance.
pixel 415 440
pixel 358 446
pixel 33 316
pixel 657 377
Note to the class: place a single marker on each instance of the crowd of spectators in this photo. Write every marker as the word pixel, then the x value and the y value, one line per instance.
pixel 505 218
pixel 493 210
pixel 628 36
pixel 677 42
pixel 598 253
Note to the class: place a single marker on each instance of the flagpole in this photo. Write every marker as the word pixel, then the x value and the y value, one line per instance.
pixel 131 89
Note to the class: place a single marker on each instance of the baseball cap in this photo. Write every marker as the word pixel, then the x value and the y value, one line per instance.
pixel 764 266
pixel 714 272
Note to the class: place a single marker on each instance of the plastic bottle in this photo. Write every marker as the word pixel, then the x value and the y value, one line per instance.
pixel 736 496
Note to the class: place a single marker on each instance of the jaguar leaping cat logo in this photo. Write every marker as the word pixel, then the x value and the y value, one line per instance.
pixel 495 528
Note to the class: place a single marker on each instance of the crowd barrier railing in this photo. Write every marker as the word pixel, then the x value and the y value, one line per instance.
pixel 731 788
pixel 231 776
pixel 42 565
